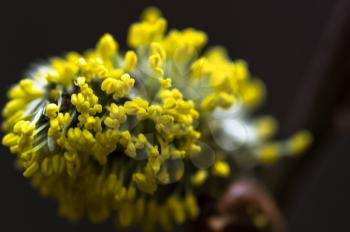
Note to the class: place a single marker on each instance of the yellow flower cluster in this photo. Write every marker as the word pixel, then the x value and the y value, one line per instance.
pixel 116 134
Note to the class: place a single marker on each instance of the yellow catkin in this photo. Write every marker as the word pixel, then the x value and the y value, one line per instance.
pixel 112 132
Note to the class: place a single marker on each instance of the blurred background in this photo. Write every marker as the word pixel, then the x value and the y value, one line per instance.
pixel 298 48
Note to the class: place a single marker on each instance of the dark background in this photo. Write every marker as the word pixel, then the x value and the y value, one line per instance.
pixel 280 40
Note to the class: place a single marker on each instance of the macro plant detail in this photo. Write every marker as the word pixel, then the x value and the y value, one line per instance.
pixel 140 135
